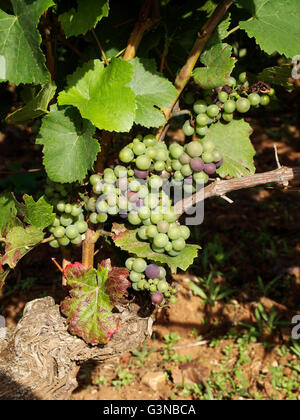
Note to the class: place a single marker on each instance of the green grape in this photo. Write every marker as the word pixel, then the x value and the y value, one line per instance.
pixel 217 156
pixel 162 274
pixel 142 233
pixel 170 215
pixel 113 210
pixel 264 100
pixel 68 208
pixel 194 149
pixel 139 265
pixel 66 219
pixel 72 231
pixel 175 150
pixel 144 212
pixel 135 277
pixel 184 159
pixel 129 262
pixel 51 229
pixel 95 179
pixel 189 98
pixel 212 111
pixel 109 178
pixel 178 244
pixel 161 154
pixel 126 155
pixel 120 171
pixel 188 188
pixel 151 201
pixel 134 185
pixel 76 210
pixel 158 250
pixel 139 148
pixel 150 137
pixel 54 243
pixel 64 241
pixel 82 226
pixel 108 171
pixel 243 77
pixel 112 200
pixel 141 284
pixel 223 96
pixel 243 105
pixel 101 206
pixel 60 206
pixel 227 117
pixel 208 145
pixel 174 232
pixel 178 176
pixel 93 219
pixel 200 178
pixel 147 222
pixel 156 217
pixel 200 107
pixel 176 165
pixel 207 157
pixel 152 288
pixel 163 286
pixel 56 222
pixel 185 232
pixel 202 131
pixel 102 217
pixel 133 218
pixel 163 226
pixel 91 204
pixel 130 173
pixel 98 188
pixel 186 170
pixel 77 240
pixel 108 189
pixel 202 120
pixel 187 129
pixel 143 162
pixel 159 166
pixel 271 92
pixel 155 182
pixel 59 232
pixel 135 287
pixel 231 81
pixel 143 191
pixel 151 231
pixel 229 106
pixel 151 153
pixel 173 300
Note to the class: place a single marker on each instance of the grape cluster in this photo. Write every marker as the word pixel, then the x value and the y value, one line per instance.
pixel 224 101
pixel 150 277
pixel 69 225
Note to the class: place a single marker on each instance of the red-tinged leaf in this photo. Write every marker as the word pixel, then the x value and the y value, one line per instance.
pixel 92 297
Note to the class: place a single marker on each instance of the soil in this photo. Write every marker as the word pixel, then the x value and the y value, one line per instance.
pixel 258 236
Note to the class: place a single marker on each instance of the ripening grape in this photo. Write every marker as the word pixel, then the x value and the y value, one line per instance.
pixel 184 159
pixel 197 164
pixel 210 168
pixel 157 298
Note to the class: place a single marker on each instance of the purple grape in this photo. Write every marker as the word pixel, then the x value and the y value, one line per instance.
pixel 197 164
pixel 141 174
pixel 157 298
pixel 123 215
pixel 210 168
pixel 188 180
pixel 132 196
pixel 139 203
pixel 152 271
pixel 218 164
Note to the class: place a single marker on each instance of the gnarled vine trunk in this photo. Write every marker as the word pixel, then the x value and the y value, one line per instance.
pixel 40 359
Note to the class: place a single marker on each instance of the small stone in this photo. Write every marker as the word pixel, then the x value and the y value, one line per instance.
pixel 154 380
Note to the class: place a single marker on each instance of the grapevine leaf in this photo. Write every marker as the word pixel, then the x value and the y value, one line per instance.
pixel 152 91
pixel 36 107
pixel 274 25
pixel 127 240
pixel 277 76
pixel 101 95
pixel 19 241
pixel 69 147
pixel 38 214
pixel 8 212
pixel 233 141
pixel 218 67
pixel 89 306
pixel 88 14
pixel 220 33
pixel 3 275
pixel 21 59
pixel 117 282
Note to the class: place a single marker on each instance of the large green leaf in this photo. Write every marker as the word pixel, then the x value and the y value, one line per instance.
pixel 233 141
pixel 36 107
pixel 21 59
pixel 152 90
pixel 277 76
pixel 218 67
pixel 88 14
pixel 69 147
pixel 8 212
pixel 127 240
pixel 101 94
pixel 274 25
pixel 18 242
pixel 39 214
pixel 89 309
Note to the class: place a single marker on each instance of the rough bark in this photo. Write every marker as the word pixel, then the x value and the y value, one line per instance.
pixel 39 359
